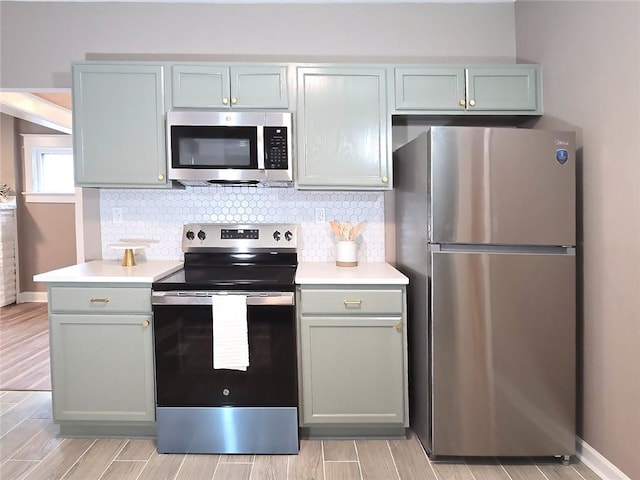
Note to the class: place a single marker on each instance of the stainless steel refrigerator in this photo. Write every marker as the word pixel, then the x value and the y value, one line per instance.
pixel 485 230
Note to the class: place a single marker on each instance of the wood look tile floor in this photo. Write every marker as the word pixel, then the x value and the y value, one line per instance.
pixel 31 449
pixel 24 347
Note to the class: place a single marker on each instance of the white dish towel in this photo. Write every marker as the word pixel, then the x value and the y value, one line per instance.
pixel 230 338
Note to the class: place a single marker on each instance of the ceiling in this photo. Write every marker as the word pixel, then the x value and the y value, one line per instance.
pixel 62 99
pixel 49 109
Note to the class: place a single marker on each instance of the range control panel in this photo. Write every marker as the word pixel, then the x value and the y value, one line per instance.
pixel 236 237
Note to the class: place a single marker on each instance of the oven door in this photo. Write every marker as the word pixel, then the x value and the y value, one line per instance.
pixel 183 337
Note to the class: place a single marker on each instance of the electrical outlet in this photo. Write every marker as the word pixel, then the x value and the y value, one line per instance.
pixel 320 218
pixel 116 215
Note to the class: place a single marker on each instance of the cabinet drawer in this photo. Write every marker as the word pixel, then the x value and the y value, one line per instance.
pixel 351 301
pixel 100 299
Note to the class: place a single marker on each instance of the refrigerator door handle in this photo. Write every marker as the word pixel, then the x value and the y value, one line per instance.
pixel 506 249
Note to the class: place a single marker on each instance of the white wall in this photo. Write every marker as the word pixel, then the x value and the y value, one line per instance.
pixel 38 41
pixel 590 55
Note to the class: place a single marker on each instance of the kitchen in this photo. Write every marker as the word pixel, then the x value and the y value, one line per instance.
pixel 508 30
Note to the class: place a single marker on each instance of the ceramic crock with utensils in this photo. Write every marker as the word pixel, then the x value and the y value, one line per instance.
pixel 346 246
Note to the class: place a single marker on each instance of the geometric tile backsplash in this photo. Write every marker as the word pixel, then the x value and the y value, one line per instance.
pixel 159 215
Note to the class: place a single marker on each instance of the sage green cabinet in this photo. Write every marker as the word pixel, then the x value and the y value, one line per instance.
pixel 101 346
pixel 353 356
pixel 343 129
pixel 496 89
pixel 506 88
pixel 118 125
pixel 220 86
pixel 430 88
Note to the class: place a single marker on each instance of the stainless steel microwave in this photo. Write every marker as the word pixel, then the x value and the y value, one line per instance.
pixel 206 147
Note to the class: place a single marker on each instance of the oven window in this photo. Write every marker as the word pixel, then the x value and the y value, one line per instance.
pixel 214 147
pixel 184 359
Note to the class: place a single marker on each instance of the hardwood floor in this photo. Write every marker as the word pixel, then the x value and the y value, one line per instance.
pixel 31 449
pixel 24 347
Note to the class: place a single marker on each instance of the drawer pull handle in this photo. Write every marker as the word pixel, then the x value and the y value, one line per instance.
pixel 352 303
pixel 99 300
pixel 145 324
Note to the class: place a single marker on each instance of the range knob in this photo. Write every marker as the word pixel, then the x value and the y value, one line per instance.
pixel 288 236
pixel 276 236
pixel 190 235
pixel 202 235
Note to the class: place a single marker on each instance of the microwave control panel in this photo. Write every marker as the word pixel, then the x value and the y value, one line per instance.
pixel 276 149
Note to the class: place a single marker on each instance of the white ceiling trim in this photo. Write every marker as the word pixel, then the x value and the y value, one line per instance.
pixel 36 110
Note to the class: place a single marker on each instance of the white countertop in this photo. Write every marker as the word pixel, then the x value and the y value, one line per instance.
pixel 111 271
pixel 368 273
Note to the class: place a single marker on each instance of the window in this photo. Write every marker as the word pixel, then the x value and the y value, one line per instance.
pixel 48 168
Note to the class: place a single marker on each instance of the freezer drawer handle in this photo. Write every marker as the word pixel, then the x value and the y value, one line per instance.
pixel 352 303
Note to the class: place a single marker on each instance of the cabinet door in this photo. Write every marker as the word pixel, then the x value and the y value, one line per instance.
pixel 199 86
pixel 506 88
pixel 343 129
pixel 352 370
pixel 118 125
pixel 261 86
pixel 102 367
pixel 430 88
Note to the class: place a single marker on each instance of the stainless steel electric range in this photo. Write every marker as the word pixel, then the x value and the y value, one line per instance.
pixel 225 343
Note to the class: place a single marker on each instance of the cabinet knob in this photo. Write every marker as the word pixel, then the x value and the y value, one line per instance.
pixel 161 177
pixel 225 100
pixel 234 100
pixel 145 324
pixel 385 179
pixel 99 300
pixel 462 103
pixel 472 102
pixel 398 326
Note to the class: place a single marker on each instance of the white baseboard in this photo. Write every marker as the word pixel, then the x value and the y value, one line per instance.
pixel 597 462
pixel 25 297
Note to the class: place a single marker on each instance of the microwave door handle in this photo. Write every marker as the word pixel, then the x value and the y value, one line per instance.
pixel 260 146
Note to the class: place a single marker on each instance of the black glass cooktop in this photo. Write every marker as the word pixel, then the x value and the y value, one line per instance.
pixel 229 278
pixel 232 272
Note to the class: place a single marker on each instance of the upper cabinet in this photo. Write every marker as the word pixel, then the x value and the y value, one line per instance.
pixel 342 129
pixel 430 88
pixel 343 112
pixel 221 86
pixel 118 125
pixel 509 89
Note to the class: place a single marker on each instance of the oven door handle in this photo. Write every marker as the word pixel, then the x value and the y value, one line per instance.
pixel 206 298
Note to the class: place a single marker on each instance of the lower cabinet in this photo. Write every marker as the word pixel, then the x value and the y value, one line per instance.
pixel 353 357
pixel 352 369
pixel 102 359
